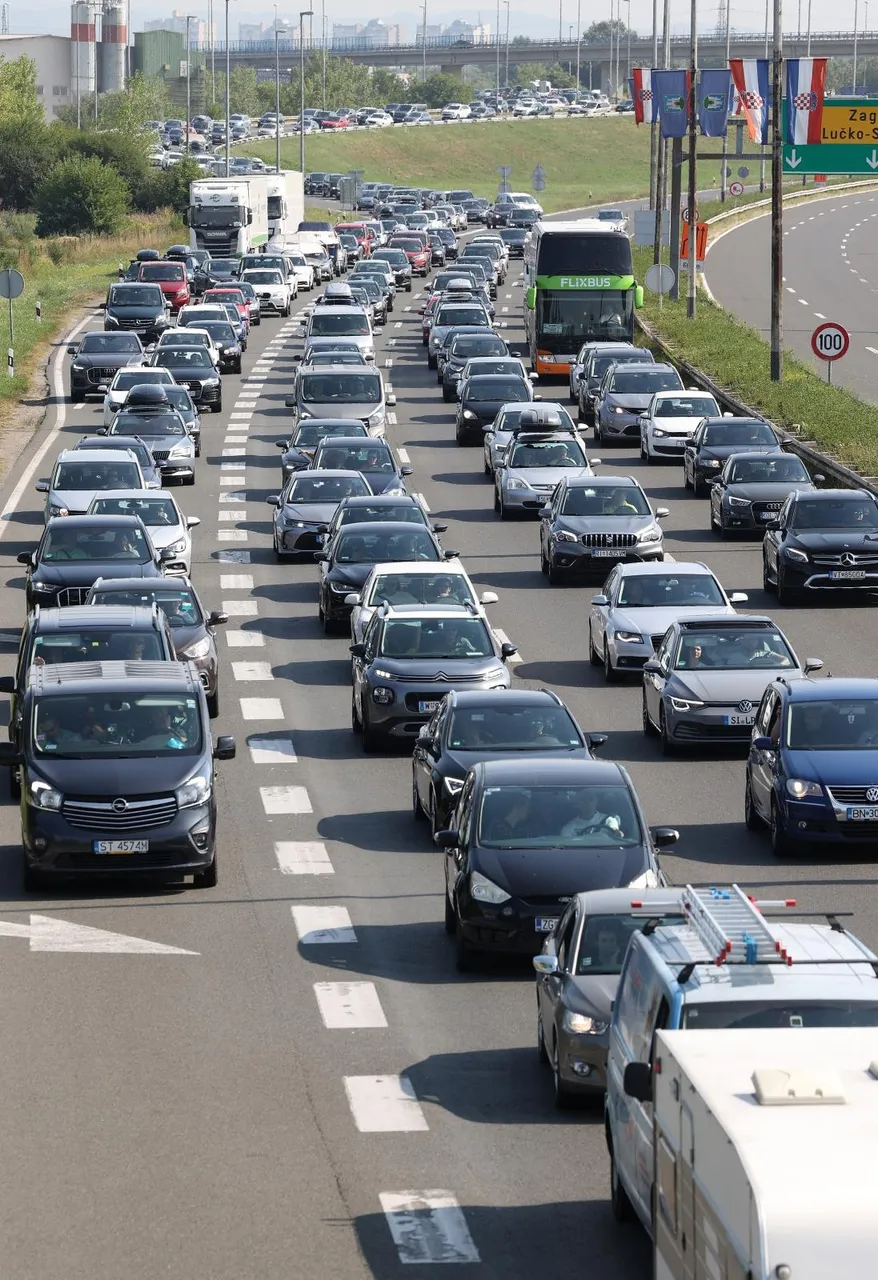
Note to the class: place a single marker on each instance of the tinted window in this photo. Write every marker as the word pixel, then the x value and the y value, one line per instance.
pixel 158 512
pixel 97 475
pixel 850 724
pixel 136 725
pixel 133 295
pixel 192 357
pixel 325 488
pixel 179 607
pixel 264 277
pixel 111 342
pixel 641 383
pixel 354 546
pixel 685 407
pixel 351 388
pixel 744 1014
pixel 657 591
pixel 330 324
pixel 557 817
pixel 470 346
pixel 769 470
pixel 621 500
pixel 462 315
pixel 494 728
pixel 433 638
pixel 601 363
pixel 731 649
pixel 420 588
pixel 100 645
pixel 836 513
pixel 162 271
pixel 483 388
pixel 84 542
pixel 594 254
pixel 147 424
pixel 547 453
pixel 740 433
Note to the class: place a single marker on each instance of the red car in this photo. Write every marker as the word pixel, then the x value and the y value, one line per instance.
pixel 234 297
pixel 361 233
pixel 171 279
pixel 416 250
pixel 335 122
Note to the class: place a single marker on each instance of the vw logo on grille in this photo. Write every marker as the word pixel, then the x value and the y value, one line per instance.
pixel 120 805
pixel 849 558
pixel 745 707
pixel 872 794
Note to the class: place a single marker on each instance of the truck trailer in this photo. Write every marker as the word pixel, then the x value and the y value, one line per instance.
pixel 228 216
pixel 286 203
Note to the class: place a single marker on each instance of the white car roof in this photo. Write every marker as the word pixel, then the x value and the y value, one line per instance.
pixel 659 567
pixel 135 495
pixel 93 455
pixel 675 392
pixel 414 568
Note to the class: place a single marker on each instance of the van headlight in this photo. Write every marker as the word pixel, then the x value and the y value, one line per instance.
pixel 182 450
pixel 42 796
pixel 484 890
pixel 375 418
pixel 801 788
pixel 195 791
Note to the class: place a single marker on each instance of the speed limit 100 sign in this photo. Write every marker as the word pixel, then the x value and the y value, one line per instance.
pixel 830 341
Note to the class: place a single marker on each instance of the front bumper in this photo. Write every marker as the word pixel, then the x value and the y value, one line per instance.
pixel 582 1060
pixel 752 517
pixel 272 302
pixel 574 558
pixel 825 822
pixel 816 577
pixel 506 929
pixel 52 846
pixel 710 724
pixel 666 446
pixel 472 429
pixel 403 718
pixel 619 426
pixel 177 468
pixel 299 539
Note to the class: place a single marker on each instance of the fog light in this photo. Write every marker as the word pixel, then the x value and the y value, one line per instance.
pixel 581 1068
pixel 40 844
pixel 803 826
pixel 507 911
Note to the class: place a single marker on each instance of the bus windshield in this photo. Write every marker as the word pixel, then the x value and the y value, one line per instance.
pixel 571 316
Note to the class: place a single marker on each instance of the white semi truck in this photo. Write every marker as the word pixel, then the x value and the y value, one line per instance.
pixel 228 216
pixel 764 1153
pixel 286 203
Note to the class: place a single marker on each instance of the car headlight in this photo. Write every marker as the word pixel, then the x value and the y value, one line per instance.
pixel 652 535
pixel 195 791
pixel 561 535
pixel 305 413
pixel 42 796
pixel 656 431
pixel 516 482
pixel 42 586
pixel 468 413
pixel 110 322
pixel 710 462
pixel 58 511
pixel 581 1025
pixel 453 786
pixel 210 382
pixel 396 491
pixel 685 704
pixel 78 368
pixel 800 788
pixel 792 553
pixel 342 588
pixel 649 880
pixel 182 450
pixel 383 695
pixel 484 890
pixel 617 408
pixel 375 418
pixel 738 502
pixel 199 649
pixel 177 548
pixel 629 637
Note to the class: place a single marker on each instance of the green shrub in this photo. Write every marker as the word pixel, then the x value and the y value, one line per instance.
pixel 82 196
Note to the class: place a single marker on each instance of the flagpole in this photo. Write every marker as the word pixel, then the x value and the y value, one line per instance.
pixel 722 181
pixel 691 303
pixel 652 126
pixel 762 157
pixel 777 203
pixel 661 149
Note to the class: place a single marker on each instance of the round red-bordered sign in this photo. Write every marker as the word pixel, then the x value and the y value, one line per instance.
pixel 736 188
pixel 830 341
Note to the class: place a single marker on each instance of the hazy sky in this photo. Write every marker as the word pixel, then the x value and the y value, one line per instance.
pixel 51 16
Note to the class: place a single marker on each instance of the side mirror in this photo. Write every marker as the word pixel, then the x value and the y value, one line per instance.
pixel 42 486
pixel 762 743
pixel 290 402
pixel 101 431
pixel 103 388
pixel 216 618
pixel 25 557
pixel 406 470
pixel 488 597
pixel 281 444
pixel 771 524
pixel 72 350
pixel 439 528
pixel 597 740
pixel 352 598
pixel 508 650
pixel 377 331
pixel 192 522
pixel 358 650
pixel 738 597
pixel 819 477
pixel 102 306
pixel 450 555
pixel 600 600
pixel 813 664
pixel 273 499
pixel 225 748
pixel 637 1081
pixel 594 462
pixel 533 377
pixel 390 400
pixel 446 838
pixel 545 966
pixel 166 553
pixel 321 555
pixel 538 397
pixel 652 667
pixel 664 836
pixel 7 684
pixel 661 513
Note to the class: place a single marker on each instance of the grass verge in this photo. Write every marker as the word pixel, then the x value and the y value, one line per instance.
pixel 735 357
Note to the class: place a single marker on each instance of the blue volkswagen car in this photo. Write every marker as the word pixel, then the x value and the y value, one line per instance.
pixel 812 770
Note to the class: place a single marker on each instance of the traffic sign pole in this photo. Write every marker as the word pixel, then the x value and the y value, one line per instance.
pixel 829 342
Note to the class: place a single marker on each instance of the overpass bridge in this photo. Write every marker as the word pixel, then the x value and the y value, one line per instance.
pixel 452 56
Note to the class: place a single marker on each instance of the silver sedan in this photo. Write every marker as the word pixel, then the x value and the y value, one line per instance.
pixel 532 468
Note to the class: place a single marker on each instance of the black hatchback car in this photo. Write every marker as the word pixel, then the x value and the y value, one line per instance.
pixel 192 367
pixel 137 308
pixel 825 540
pixel 528 835
pixel 76 550
pixel 356 549
pixel 117 772
pixel 96 358
pixel 716 439
pixel 473 725
pixel 481 399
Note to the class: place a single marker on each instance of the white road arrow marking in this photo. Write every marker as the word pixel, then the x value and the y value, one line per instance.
pixel 872 160
pixel 793 160
pixel 48 933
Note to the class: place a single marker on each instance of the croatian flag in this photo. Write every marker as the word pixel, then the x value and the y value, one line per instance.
pixel 751 80
pixel 806 86
pixel 641 80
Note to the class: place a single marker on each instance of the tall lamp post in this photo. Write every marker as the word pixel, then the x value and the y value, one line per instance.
pixel 856 34
pixel 303 14
pixel 211 46
pixel 627 48
pixel 324 54
pixel 228 89
pixel 506 72
pixel 578 41
pixel 497 38
pixel 424 45
pixel 277 35
pixel 189 18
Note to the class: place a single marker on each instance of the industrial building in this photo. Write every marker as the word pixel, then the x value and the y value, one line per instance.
pixel 52 56
pixel 94 54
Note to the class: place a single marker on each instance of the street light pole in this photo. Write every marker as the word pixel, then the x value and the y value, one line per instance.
pixel 856 26
pixel 277 31
pixel 691 304
pixel 424 45
pixel 628 48
pixel 497 39
pixel 808 50
pixel 579 41
pixel 506 75
pixel 324 54
pixel 228 89
pixel 189 18
pixel 777 202
pixel 303 14
pixel 212 47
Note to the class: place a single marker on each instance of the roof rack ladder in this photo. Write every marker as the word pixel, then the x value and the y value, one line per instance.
pixel 731 926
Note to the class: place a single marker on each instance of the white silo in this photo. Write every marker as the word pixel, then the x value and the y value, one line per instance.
pixel 82 49
pixel 112 49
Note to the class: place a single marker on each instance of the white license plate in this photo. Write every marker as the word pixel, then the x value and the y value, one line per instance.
pixel 545 924
pixel 428 706
pixel 848 574
pixel 867 813
pixel 767 515
pixel 606 551
pixel 121 846
pixel 740 719
pixel 673 444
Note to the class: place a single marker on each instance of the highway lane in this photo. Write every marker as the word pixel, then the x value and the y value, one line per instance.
pixel 239 1112
pixel 830 273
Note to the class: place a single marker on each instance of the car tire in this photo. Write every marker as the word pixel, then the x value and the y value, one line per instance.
pixel 450 918
pixel 649 729
pixel 593 656
pixel 14 785
pixel 208 878
pixel 446 395
pixel 780 841
pixel 239 366
pixel 697 487
pixel 544 563
pixel 687 483
pixel 417 808
pixel 623 1210
pixel 643 457
pixel 556 576
pixel 190 480
pixel 611 675
pixel 408 287
pixel 356 725
pixel 752 820
pixel 668 747
pixel 369 738
pixel 486 467
pixel 218 407
pixel 715 525
pixel 542 1051
pixel 31 879
pixel 564 1099
pixel 213 703
pixel 785 594
pixel 767 584
pixel 76 397
pixel 432 362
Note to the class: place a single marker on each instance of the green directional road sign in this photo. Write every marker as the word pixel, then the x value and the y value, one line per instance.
pixel 829 158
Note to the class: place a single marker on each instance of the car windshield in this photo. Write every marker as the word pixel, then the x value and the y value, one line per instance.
pixel 553 817
pixel 547 453
pixel 739 433
pixel 180 607
pixel 372 457
pixel 192 357
pixel 311 433
pixel 848 724
pixel 731 649
pixel 96 475
pixel 608 500
pixel 435 638
pixel 494 728
pixel 109 343
pixel 420 588
pixel 336 357
pixel 157 512
pixel 134 295
pixel 325 488
pixel 604 942
pixel 235 296
pixel 264 276
pixel 660 591
pixel 220 332
pixel 162 271
pixel 327 323
pixel 351 388
pixel 601 363
pixel 223 267
pixel 140 451
pixel 353 546
pixel 462 315
pixel 409 244
pixel 100 645
pixel 116 725
pixel 685 407
pixel 781 469
pixel 488 388
pixel 94 543
pixel 146 424
pixel 744 1014
pixel 124 381
pixel 837 513
pixel 645 382
pixel 180 398
pixel 557 416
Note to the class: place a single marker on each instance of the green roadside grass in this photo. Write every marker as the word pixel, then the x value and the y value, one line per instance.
pixel 736 358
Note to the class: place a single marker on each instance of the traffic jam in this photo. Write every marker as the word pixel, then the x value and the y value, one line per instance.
pixel 406 579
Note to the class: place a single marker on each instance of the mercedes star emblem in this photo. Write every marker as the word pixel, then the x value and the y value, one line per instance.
pixel 849 558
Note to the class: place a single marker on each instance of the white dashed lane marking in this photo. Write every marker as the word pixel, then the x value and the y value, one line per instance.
pixel 241 608
pixel 261 709
pixel 245 639
pixel 303 858
pixel 231 535
pixel 236 513
pixel 252 671
pixel 236 582
pixel 403 455
pixel 275 750
pixel 428 1226
pixel 384 1104
pixel 345 1006
pixel 319 926
pixel 285 800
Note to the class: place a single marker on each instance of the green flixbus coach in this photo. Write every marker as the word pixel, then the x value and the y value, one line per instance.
pixel 578 287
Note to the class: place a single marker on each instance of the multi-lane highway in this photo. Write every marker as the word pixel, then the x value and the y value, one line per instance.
pixel 304 1086
pixel 830 273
